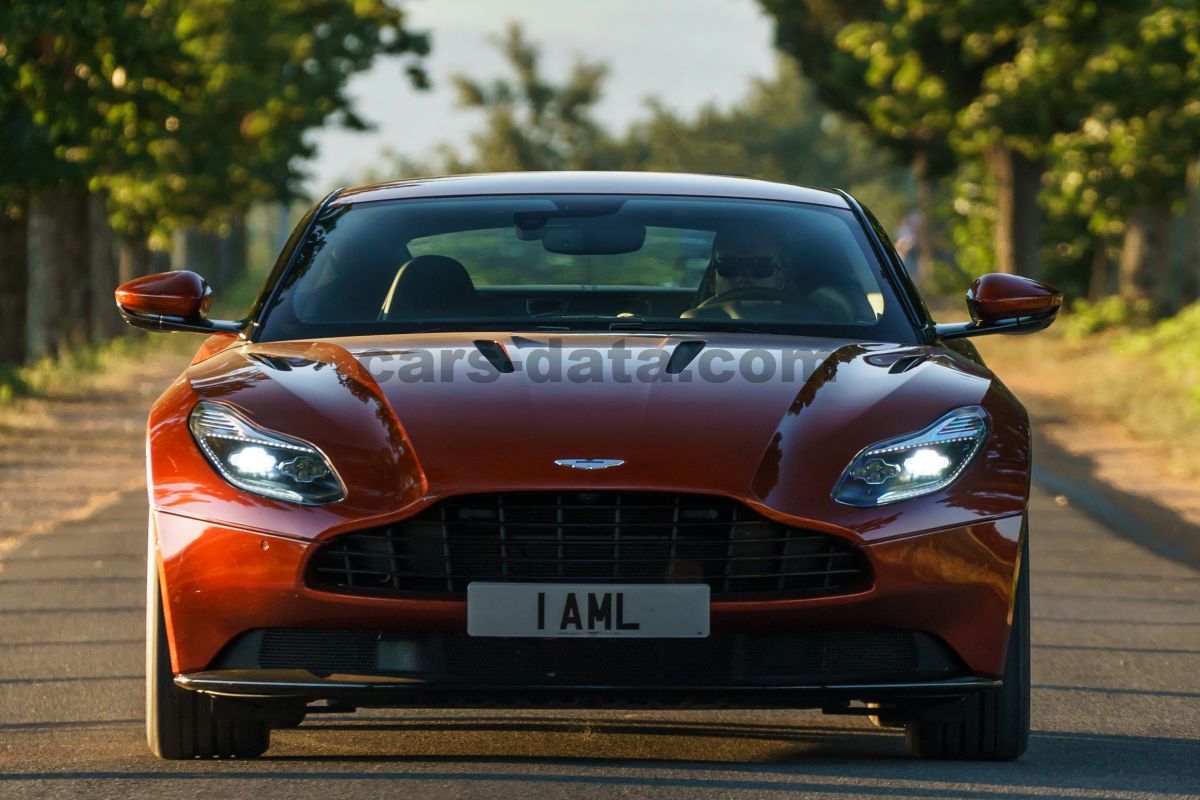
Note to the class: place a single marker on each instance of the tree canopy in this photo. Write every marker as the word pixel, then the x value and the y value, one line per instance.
pixel 184 109
pixel 1073 118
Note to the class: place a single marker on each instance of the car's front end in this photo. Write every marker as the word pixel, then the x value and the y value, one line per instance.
pixel 453 513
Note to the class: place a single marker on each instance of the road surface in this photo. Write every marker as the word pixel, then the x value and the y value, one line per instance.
pixel 1116 703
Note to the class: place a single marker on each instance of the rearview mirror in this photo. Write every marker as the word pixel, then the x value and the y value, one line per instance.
pixel 171 301
pixel 588 237
pixel 1003 303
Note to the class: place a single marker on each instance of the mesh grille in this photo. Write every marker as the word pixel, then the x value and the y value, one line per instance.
pixel 594 537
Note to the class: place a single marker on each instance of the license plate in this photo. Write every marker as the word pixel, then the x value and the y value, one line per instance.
pixel 587 609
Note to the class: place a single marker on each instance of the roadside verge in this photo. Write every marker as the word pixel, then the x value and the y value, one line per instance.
pixel 1118 480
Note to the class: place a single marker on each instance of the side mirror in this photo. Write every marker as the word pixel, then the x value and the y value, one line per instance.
pixel 1003 303
pixel 171 301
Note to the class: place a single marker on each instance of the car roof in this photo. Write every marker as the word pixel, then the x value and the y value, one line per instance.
pixel 648 183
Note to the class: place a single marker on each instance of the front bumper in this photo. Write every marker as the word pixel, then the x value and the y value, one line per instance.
pixel 221 583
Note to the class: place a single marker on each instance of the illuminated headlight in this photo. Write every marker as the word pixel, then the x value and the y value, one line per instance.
pixel 915 464
pixel 262 461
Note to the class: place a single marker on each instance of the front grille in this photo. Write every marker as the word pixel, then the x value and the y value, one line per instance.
pixel 592 537
pixel 719 660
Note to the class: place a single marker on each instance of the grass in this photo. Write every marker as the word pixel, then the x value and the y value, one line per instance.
pixel 113 363
pixel 1121 367
pixel 89 366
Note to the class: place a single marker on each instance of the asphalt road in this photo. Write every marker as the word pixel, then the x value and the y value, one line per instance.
pixel 1116 704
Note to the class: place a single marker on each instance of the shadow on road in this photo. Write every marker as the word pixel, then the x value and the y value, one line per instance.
pixel 1140 519
pixel 800 759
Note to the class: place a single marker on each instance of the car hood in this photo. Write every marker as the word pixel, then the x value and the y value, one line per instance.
pixel 427 415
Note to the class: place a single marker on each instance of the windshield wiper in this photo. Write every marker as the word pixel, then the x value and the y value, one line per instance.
pixel 627 324
pixel 481 324
pixel 669 325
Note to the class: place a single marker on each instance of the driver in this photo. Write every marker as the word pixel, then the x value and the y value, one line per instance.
pixel 747 257
pixel 747 269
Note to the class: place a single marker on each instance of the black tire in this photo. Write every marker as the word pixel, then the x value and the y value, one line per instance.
pixel 993 725
pixel 180 723
pixel 884 717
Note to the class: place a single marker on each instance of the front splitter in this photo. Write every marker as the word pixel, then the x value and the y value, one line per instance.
pixel 398 691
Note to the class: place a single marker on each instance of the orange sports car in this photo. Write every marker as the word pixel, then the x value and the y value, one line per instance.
pixel 588 439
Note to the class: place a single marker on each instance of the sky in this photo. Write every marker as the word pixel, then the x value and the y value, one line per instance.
pixel 683 52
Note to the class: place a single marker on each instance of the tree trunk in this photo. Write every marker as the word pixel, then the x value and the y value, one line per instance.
pixel 13 275
pixel 197 251
pixel 1099 285
pixel 133 258
pixel 1190 290
pixel 232 253
pixel 926 209
pixel 47 303
pixel 102 271
pixel 160 261
pixel 1018 221
pixel 1144 270
pixel 73 232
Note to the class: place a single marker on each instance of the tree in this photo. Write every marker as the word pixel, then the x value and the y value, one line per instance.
pixel 1124 168
pixel 76 80
pixel 778 131
pixel 833 44
pixel 930 64
pixel 180 112
pixel 531 122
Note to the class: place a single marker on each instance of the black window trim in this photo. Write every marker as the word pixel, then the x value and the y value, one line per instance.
pixel 285 264
pixel 894 271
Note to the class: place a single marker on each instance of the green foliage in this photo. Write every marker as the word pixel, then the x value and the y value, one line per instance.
pixel 83 366
pixel 1141 129
pixel 182 110
pixel 12 383
pixel 1105 96
pixel 1173 345
pixel 925 61
pixel 79 86
pixel 532 123
pixel 778 132
pixel 808 32
pixel 972 215
pixel 1087 318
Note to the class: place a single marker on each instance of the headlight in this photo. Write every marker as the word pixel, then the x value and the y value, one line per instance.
pixel 915 464
pixel 262 461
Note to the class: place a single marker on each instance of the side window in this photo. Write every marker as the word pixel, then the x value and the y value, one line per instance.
pixel 907 285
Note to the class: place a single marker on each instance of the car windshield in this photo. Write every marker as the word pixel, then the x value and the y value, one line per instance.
pixel 585 262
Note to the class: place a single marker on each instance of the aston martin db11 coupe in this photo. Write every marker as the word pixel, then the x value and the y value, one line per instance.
pixel 588 439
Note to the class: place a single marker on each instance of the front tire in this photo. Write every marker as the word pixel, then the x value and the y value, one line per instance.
pixel 992 725
pixel 180 723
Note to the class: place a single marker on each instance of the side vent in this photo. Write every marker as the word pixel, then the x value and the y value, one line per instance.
pixel 683 354
pixel 496 355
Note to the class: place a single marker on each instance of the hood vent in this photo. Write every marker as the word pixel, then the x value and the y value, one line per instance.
pixel 496 355
pixel 683 354
pixel 905 363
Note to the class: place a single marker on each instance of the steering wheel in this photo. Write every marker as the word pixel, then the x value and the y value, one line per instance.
pixel 748 293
